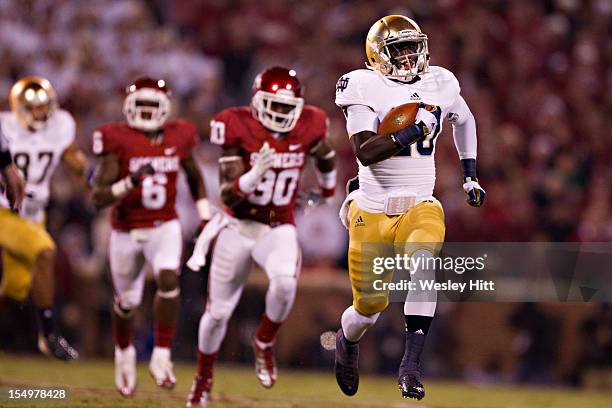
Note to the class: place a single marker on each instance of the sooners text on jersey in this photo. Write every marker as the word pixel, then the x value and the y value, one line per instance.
pixel 274 200
pixel 153 202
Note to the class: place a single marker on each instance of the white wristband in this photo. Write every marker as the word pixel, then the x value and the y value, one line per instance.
pixel 120 188
pixel 327 180
pixel 248 181
pixel 203 208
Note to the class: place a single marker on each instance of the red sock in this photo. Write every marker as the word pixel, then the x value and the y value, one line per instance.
pixel 206 363
pixel 164 333
pixel 122 339
pixel 266 332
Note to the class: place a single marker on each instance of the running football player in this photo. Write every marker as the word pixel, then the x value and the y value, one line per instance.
pixel 265 148
pixel 392 203
pixel 137 174
pixel 39 135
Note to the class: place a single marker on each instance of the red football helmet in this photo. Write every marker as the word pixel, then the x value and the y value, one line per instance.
pixel 277 99
pixel 147 104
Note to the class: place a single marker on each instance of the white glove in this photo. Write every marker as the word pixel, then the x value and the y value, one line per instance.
pixel 429 121
pixel 263 162
pixel 476 194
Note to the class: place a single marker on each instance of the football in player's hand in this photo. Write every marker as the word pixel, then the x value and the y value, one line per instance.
pixel 398 118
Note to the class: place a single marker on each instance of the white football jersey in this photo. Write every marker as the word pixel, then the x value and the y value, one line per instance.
pixel 412 170
pixel 36 154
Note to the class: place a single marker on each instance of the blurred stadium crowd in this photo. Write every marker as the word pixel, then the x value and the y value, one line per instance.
pixel 536 75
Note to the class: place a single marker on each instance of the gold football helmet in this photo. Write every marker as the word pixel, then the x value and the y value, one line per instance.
pixel 34 101
pixel 396 47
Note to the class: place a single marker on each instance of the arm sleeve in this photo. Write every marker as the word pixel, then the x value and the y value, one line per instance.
pixel 360 118
pixel 464 129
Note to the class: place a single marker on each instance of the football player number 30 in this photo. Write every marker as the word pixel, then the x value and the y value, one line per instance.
pixel 276 188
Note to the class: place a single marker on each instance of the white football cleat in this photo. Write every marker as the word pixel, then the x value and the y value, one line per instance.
pixel 125 370
pixel 160 368
pixel 200 392
pixel 265 363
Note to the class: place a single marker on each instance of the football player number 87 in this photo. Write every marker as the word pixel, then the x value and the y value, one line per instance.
pixel 276 188
pixel 154 191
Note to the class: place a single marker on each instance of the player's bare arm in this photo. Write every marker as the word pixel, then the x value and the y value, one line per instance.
pixel 324 155
pixel 231 168
pixel 195 181
pixel 14 185
pixel 105 174
pixel 325 162
pixel 107 189
pixel 75 160
pixel 371 148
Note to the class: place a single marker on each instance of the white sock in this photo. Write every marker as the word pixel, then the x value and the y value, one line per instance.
pixel 422 302
pixel 354 324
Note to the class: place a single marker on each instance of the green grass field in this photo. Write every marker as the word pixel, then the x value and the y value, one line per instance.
pixel 91 385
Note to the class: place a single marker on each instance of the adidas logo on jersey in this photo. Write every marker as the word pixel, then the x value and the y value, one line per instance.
pixel 415 97
pixel 359 222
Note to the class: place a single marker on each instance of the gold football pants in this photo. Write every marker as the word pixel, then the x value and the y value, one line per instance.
pixel 21 241
pixel 380 235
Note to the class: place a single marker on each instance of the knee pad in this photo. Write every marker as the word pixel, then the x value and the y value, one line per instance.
pixel 129 299
pixel 283 287
pixel 280 297
pixel 219 310
pixel 369 306
pixel 17 291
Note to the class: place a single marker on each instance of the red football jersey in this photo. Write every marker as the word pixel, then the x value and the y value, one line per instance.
pixel 154 200
pixel 273 202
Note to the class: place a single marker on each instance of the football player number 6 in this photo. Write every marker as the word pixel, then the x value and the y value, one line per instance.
pixel 154 191
pixel 276 188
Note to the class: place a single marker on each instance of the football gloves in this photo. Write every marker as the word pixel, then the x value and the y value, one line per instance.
pixel 476 194
pixel 137 176
pixel 428 120
pixel 264 160
pixel 247 183
pixel 425 127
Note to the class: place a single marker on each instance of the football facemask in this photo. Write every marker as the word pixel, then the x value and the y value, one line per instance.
pixel 278 112
pixel 397 48
pixel 406 57
pixel 146 109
